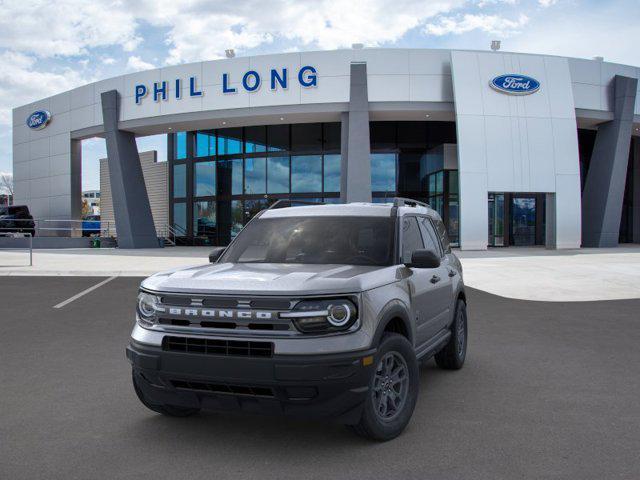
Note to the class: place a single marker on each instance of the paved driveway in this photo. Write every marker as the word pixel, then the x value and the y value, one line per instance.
pixel 550 390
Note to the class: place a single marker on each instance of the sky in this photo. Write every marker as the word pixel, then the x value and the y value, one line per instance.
pixel 47 47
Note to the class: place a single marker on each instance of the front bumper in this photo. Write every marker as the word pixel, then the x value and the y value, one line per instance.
pixel 310 386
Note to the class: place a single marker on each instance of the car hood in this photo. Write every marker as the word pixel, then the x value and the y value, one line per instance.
pixel 271 279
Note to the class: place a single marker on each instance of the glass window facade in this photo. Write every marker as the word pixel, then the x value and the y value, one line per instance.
pixel 222 178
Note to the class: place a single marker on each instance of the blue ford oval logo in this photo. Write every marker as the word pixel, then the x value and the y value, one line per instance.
pixel 38 119
pixel 515 84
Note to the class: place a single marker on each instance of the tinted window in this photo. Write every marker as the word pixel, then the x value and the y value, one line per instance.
pixel 205 144
pixel 306 173
pixel 204 218
pixel 442 233
pixel 429 236
pixel 255 139
pixel 278 175
pixel 306 137
pixel 255 175
pixel 204 179
pixel 383 172
pixel 180 180
pixel 332 173
pixel 332 134
pixel 230 177
pixel 180 218
pixel 180 146
pixel 411 238
pixel 229 141
pixel 278 137
pixel 315 240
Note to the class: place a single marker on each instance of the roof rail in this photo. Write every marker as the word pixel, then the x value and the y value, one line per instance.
pixel 408 202
pixel 285 202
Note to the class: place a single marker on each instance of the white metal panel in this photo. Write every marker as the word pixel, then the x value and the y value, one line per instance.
pixel 388 88
pixel 585 71
pixel 472 144
pixel 60 103
pixel 235 67
pixel 39 168
pixel 115 83
pixel 21 152
pixel 20 133
pixel 82 96
pixel 568 211
pixel 430 88
pixel 384 61
pixel 329 90
pixel 429 62
pixel 240 99
pixel 60 164
pixel 329 64
pixel 587 96
pixel 39 148
pixel 467 84
pixel 83 117
pixel 40 188
pixel 474 216
pixel 541 172
pixel 565 152
pixel 60 185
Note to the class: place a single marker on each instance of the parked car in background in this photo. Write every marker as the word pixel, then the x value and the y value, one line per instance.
pixel 16 219
pixel 91 225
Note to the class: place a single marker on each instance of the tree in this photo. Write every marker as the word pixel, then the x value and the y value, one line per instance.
pixel 6 186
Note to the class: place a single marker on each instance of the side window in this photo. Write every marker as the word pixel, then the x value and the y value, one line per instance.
pixel 429 235
pixel 442 233
pixel 411 238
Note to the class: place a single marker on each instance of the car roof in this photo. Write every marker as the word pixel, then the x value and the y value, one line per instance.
pixel 355 209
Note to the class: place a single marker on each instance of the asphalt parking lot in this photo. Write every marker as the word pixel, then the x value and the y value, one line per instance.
pixel 550 390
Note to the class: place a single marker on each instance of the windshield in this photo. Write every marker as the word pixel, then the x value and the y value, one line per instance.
pixel 317 240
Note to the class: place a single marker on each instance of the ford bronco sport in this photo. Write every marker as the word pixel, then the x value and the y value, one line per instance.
pixel 320 311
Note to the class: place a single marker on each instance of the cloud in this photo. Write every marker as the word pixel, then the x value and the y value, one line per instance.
pixel 547 3
pixel 66 27
pixel 21 83
pixel 135 64
pixel 493 24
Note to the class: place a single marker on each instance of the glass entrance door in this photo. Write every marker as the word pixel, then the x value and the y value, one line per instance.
pixel 496 220
pixel 523 220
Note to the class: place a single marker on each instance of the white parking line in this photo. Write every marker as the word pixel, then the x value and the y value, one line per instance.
pixel 82 293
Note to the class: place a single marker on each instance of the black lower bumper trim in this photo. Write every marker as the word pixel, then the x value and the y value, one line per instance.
pixel 308 386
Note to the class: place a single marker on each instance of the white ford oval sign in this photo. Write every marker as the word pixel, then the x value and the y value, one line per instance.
pixel 38 119
pixel 515 84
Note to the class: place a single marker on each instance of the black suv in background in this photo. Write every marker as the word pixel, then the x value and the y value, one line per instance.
pixel 16 218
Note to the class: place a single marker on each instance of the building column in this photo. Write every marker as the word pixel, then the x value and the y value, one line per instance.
pixel 635 206
pixel 134 222
pixel 604 188
pixel 355 179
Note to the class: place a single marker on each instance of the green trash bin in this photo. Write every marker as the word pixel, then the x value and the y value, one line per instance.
pixel 95 243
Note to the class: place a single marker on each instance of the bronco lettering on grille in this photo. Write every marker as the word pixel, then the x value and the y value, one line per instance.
pixel 215 313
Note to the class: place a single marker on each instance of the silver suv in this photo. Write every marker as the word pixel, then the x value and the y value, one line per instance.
pixel 312 311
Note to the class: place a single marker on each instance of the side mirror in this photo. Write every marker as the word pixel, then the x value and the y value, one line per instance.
pixel 424 258
pixel 215 254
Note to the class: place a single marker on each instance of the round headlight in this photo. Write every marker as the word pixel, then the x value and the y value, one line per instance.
pixel 339 315
pixel 146 305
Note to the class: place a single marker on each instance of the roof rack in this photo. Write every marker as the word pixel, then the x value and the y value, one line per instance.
pixel 408 202
pixel 285 202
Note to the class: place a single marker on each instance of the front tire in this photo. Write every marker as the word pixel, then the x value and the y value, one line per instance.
pixel 393 390
pixel 452 356
pixel 168 410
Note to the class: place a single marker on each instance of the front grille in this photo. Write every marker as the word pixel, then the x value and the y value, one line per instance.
pixel 208 346
pixel 224 388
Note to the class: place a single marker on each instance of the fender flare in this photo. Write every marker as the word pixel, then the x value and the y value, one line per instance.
pixel 394 309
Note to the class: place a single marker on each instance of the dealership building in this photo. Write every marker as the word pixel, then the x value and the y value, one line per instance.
pixel 511 149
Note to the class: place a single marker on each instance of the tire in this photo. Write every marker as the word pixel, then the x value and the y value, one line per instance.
pixel 380 420
pixel 168 410
pixel 452 356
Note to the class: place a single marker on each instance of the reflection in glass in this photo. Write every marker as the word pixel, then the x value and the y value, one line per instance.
pixel 253 207
pixel 306 173
pixel 255 175
pixel 204 218
pixel 180 180
pixel 332 173
pixel 205 143
pixel 180 149
pixel 255 139
pixel 230 177
pixel 237 217
pixel 278 175
pixel 383 172
pixel 180 218
pixel 204 180
pixel 229 141
pixel 331 136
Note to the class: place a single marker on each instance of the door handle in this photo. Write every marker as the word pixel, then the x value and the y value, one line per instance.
pixel 435 279
pixel 452 273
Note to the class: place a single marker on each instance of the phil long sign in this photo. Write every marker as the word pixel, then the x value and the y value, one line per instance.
pixel 515 84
